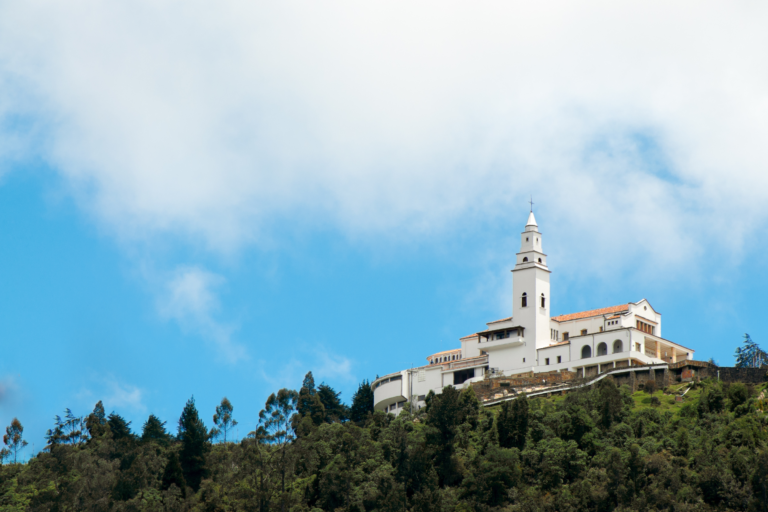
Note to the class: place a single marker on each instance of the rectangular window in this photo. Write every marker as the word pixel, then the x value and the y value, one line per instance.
pixel 565 336
pixel 583 332
pixel 601 329
pixel 546 361
pixel 523 359
pixel 559 359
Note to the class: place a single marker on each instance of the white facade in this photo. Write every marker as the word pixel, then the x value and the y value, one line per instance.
pixel 533 341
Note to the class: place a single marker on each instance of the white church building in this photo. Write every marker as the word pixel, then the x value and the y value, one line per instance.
pixel 532 341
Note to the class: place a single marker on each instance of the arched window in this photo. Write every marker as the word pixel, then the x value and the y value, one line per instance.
pixel 525 300
pixel 602 349
pixel 618 346
pixel 525 259
pixel 543 301
pixel 539 260
pixel 586 352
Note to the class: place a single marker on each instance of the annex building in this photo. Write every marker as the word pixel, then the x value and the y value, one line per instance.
pixel 532 341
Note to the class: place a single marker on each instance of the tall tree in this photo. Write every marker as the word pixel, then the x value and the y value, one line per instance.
pixel 306 393
pixel 96 422
pixel 154 430
pixel 445 413
pixel 14 438
pixel 611 404
pixel 120 428
pixel 362 402
pixel 512 424
pixel 223 419
pixel 335 410
pixel 194 445
pixel 67 430
pixel 750 355
pixel 308 404
pixel 275 427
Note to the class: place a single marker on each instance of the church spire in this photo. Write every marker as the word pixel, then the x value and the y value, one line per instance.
pixel 531 224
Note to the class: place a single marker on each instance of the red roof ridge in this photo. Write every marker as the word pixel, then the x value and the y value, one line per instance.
pixel 591 313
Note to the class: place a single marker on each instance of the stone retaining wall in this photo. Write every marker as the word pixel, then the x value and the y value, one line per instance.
pixel 495 388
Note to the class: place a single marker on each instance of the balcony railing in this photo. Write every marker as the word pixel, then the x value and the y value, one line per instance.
pixel 466 363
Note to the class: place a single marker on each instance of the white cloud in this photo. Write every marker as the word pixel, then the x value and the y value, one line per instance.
pixel 189 298
pixel 121 396
pixel 325 366
pixel 115 396
pixel 402 118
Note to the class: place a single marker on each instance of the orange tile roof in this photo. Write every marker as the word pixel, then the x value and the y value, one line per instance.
pixel 567 342
pixel 445 352
pixel 591 313
pixel 502 320
pixel 468 336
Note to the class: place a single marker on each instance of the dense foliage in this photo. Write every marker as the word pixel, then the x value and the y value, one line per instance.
pixel 596 449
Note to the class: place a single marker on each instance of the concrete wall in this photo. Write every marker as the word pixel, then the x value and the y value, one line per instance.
pixel 564 351
pixel 470 348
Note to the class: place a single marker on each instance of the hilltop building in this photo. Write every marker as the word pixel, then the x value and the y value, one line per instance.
pixel 531 341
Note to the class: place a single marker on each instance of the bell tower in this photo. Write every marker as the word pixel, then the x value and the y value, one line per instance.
pixel 530 287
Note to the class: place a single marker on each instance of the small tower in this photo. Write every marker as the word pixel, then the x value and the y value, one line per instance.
pixel 530 286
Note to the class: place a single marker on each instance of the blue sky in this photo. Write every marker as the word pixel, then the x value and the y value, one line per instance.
pixel 208 204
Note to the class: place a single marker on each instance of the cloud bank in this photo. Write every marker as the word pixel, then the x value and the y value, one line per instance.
pixel 644 121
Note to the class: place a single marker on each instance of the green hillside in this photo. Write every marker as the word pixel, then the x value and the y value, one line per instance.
pixel 595 449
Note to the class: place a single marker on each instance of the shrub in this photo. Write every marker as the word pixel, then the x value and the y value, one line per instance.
pixel 738 394
pixel 650 387
pixel 655 401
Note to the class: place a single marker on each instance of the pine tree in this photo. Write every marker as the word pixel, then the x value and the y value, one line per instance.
pixel 14 438
pixel 154 430
pixel 223 419
pixel 174 475
pixel 194 445
pixel 335 410
pixel 119 427
pixel 362 403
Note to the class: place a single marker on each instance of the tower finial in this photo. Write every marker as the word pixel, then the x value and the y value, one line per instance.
pixel 531 201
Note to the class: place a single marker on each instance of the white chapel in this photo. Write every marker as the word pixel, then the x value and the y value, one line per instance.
pixel 532 341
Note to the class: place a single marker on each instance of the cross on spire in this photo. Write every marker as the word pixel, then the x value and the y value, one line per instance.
pixel 531 201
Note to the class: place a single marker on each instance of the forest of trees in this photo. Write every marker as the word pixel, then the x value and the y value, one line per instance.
pixel 593 450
